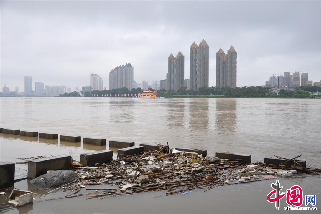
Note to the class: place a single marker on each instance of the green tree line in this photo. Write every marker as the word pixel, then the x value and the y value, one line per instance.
pixel 252 91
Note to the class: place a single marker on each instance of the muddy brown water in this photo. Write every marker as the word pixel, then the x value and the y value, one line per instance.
pixel 259 127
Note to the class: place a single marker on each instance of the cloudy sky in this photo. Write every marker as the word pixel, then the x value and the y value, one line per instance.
pixel 63 42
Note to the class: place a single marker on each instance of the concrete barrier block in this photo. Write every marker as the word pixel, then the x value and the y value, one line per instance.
pixel 7 171
pixel 9 131
pixel 148 147
pixel 90 159
pixel 130 151
pixel 41 166
pixel 231 156
pixel 98 142
pixel 289 163
pixel 70 138
pixel 48 136
pixel 118 144
pixel 198 151
pixel 28 134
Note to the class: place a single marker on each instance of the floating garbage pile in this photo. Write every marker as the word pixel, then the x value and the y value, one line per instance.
pixel 172 171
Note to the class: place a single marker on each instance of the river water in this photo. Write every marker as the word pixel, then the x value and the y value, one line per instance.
pixel 257 127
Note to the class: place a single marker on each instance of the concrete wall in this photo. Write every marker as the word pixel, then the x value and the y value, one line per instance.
pixel 148 147
pixel 130 151
pixel 9 131
pixel 28 134
pixel 278 162
pixel 198 151
pixel 41 166
pixel 7 171
pixel 97 142
pixel 118 144
pixel 70 138
pixel 231 156
pixel 90 159
pixel 48 136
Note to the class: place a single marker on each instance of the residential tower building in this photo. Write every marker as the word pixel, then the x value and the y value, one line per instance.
pixel 121 77
pixel 226 68
pixel 199 65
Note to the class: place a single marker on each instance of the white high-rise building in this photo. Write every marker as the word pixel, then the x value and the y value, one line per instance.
pixel 39 89
pixel 121 77
pixel 96 82
pixel 27 85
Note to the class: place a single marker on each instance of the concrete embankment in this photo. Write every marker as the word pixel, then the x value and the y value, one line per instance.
pixel 28 134
pixel 41 166
pixel 70 138
pixel 7 171
pixel 97 142
pixel 48 136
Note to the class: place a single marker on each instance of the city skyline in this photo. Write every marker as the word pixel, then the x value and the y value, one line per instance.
pixel 55 43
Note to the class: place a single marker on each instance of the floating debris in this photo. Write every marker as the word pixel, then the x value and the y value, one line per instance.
pixel 20 197
pixel 176 172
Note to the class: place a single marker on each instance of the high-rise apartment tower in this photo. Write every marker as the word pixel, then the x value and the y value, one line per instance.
pixel 122 76
pixel 226 68
pixel 27 85
pixel 199 65
pixel 175 73
pixel 96 82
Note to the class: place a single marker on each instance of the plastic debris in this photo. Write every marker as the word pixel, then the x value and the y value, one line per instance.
pixel 20 197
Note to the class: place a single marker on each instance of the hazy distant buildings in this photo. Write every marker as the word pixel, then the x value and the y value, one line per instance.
pixel 17 90
pixel 162 85
pixel 39 89
pixel 290 81
pixel 54 91
pixel 317 84
pixel 226 68
pixel 144 85
pixel 27 85
pixel 273 81
pixel 96 82
pixel 5 89
pixel 121 76
pixel 309 83
pixel 304 79
pixel 175 75
pixel 199 65
pixel 187 84
pixel 155 85
pixel 296 79
pixel 86 89
pixel 287 80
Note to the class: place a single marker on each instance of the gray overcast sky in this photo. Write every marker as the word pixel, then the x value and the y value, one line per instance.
pixel 62 42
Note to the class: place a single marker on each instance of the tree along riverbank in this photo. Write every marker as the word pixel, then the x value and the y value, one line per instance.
pixel 212 92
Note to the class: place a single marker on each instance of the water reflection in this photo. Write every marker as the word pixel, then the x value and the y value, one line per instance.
pixel 198 114
pixel 176 114
pixel 31 139
pixel 25 208
pixel 121 110
pixel 10 136
pixel 226 115
pixel 48 141
pixel 73 144
pixel 93 147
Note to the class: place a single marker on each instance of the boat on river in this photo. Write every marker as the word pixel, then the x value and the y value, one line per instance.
pixel 147 94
